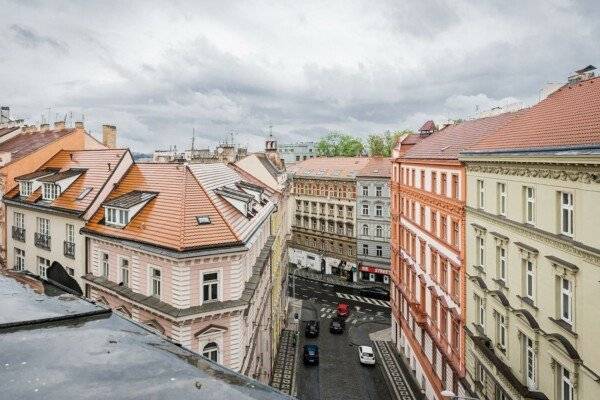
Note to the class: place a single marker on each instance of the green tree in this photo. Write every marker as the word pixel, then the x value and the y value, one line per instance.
pixel 382 145
pixel 339 144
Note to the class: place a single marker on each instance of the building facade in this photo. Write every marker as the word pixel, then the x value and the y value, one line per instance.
pixel 296 152
pixel 428 255
pixel 534 250
pixel 324 217
pixel 373 220
pixel 192 259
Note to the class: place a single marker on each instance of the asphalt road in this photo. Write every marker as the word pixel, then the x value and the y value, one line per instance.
pixel 339 374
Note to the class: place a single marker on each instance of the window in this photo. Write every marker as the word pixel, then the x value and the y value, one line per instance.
pixel 25 188
pixel 379 210
pixel 422 220
pixel 480 246
pixel 566 300
pixel 422 183
pixel 69 233
pixel 502 199
pixel 530 360
pixel 365 248
pixel 529 205
pixel 529 280
pixel 434 222
pixel 501 262
pixel 444 227
pixel 156 282
pixel 455 283
pixel 454 233
pixel 480 311
pixel 19 260
pixel 444 186
pixel 350 251
pixel 43 226
pixel 433 182
pixel 379 251
pixel 378 191
pixel 119 217
pixel 434 309
pixel 444 272
pixel 566 213
pixel 501 331
pixel 124 272
pixel 210 286
pixel 365 190
pixel 365 209
pixel 379 231
pixel 480 193
pixel 51 191
pixel 43 265
pixel 105 265
pixel 565 385
pixel 19 220
pixel 211 351
pixel 455 186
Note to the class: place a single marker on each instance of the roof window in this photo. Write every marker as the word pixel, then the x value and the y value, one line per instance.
pixel 51 191
pixel 115 216
pixel 203 219
pixel 84 193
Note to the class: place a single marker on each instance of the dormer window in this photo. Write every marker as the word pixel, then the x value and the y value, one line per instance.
pixel 203 219
pixel 115 216
pixel 25 188
pixel 51 191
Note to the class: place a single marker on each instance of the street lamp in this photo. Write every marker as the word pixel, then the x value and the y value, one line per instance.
pixel 450 394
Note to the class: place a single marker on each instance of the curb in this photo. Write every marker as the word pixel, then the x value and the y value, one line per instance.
pixel 350 340
pixel 329 283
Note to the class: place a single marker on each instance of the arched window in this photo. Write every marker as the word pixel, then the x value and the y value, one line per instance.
pixel 211 351
pixel 379 231
pixel 365 230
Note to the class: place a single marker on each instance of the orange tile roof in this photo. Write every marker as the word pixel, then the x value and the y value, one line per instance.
pixel 94 174
pixel 569 117
pixel 447 143
pixel 329 167
pixel 26 143
pixel 377 167
pixel 169 219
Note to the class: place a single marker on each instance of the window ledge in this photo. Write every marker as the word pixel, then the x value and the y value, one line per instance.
pixel 564 325
pixel 528 301
pixel 501 284
pixel 479 269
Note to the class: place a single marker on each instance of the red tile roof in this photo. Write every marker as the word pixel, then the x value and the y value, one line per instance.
pixel 26 143
pixel 329 167
pixel 428 126
pixel 377 167
pixel 412 138
pixel 569 117
pixel 450 141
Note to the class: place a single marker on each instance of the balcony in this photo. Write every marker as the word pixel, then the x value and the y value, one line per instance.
pixel 18 233
pixel 69 249
pixel 42 241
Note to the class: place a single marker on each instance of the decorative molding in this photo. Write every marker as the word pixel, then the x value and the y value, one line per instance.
pixel 574 248
pixel 453 207
pixel 562 172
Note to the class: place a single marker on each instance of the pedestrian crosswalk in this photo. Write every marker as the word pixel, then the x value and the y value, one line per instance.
pixel 367 300
pixel 330 313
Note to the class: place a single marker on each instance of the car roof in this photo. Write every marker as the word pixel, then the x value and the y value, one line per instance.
pixel 366 349
pixel 311 347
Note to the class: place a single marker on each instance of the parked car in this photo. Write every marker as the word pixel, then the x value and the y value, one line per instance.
pixel 312 329
pixel 343 310
pixel 366 355
pixel 311 354
pixel 337 325
pixel 375 293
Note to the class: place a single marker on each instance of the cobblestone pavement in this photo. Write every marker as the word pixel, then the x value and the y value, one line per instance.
pixel 283 372
pixel 393 372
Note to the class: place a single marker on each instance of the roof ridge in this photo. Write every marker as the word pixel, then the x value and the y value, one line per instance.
pixel 183 209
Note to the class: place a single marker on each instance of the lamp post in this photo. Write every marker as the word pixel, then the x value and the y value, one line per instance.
pixel 450 394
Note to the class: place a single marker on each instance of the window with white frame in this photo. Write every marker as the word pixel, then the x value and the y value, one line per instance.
pixel 379 251
pixel 378 191
pixel 25 188
pixel 211 351
pixel 530 362
pixel 365 249
pixel 566 300
pixel 19 259
pixel 529 280
pixel 530 205
pixel 379 231
pixel 116 216
pixel 365 209
pixel 379 210
pixel 501 259
pixel 43 265
pixel 365 230
pixel 105 265
pixel 51 191
pixel 70 233
pixel 210 286
pixel 480 307
pixel 480 193
pixel 155 281
pixel 566 213
pixel 43 226
pixel 565 384
pixel 480 246
pixel 365 190
pixel 501 330
pixel 19 220
pixel 502 198
pixel 124 271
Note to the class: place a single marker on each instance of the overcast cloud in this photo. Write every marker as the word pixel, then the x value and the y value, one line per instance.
pixel 159 69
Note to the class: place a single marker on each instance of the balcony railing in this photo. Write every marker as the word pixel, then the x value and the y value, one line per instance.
pixel 69 249
pixel 18 233
pixel 42 241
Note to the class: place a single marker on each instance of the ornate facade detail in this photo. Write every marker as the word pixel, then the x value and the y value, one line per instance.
pixel 453 207
pixel 563 172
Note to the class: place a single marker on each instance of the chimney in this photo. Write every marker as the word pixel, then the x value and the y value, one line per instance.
pixel 582 74
pixel 44 127
pixel 78 125
pixel 109 136
pixel 59 125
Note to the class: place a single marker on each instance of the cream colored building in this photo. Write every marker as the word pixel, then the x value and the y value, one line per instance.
pixel 533 252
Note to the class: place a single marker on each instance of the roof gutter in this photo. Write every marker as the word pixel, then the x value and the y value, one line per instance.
pixel 530 150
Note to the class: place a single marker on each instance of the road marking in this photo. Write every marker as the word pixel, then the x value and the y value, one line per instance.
pixel 353 322
pixel 322 309
pixel 361 299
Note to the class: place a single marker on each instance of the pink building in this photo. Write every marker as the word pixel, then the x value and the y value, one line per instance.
pixel 186 249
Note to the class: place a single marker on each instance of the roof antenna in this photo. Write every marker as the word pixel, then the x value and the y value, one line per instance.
pixel 193 138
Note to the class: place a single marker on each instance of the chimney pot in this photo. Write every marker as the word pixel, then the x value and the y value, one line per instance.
pixel 59 125
pixel 109 136
pixel 44 127
pixel 78 125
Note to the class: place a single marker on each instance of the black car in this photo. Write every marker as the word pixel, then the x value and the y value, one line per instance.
pixel 375 293
pixel 311 354
pixel 337 325
pixel 312 329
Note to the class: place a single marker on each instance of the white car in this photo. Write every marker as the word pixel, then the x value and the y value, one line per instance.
pixel 366 355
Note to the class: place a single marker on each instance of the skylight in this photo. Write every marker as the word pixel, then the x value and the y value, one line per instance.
pixel 84 193
pixel 203 219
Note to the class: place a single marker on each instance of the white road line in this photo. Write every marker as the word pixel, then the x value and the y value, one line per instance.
pixel 322 315
pixel 322 308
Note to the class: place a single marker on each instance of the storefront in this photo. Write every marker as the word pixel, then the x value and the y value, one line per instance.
pixel 374 274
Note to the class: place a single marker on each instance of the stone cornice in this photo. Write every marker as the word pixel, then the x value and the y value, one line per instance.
pixel 557 242
pixel 453 207
pixel 571 172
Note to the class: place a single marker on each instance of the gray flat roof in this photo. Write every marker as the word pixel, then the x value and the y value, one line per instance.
pixel 74 354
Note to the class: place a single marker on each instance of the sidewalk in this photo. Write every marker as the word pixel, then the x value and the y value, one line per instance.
pixel 401 383
pixel 331 279
pixel 284 370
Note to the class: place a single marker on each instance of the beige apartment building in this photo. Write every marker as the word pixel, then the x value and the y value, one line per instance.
pixel 533 252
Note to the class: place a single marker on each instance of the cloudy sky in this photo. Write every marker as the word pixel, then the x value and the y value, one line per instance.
pixel 159 69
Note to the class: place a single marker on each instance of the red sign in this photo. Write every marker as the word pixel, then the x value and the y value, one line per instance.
pixel 374 270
